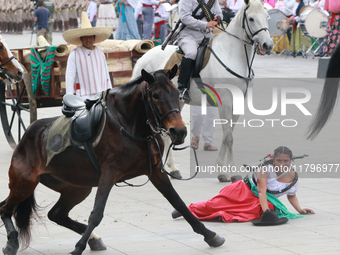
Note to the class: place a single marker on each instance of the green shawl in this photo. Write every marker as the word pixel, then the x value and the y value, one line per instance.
pixel 280 209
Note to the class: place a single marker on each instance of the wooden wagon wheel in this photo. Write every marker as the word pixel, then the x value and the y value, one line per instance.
pixel 18 110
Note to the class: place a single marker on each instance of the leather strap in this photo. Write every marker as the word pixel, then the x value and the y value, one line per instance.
pixel 205 10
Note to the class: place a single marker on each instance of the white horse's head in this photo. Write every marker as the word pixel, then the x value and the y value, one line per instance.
pixel 10 69
pixel 255 24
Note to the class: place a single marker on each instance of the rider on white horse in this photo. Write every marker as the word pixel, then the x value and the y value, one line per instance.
pixel 197 28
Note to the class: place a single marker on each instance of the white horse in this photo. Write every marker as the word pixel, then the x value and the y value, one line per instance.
pixel 235 49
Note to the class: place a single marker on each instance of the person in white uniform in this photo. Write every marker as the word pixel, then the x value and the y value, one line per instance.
pixel 196 29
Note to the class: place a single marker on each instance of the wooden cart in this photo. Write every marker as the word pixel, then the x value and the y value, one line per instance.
pixel 18 104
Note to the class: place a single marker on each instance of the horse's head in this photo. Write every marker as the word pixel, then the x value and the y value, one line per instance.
pixel 255 24
pixel 10 69
pixel 163 103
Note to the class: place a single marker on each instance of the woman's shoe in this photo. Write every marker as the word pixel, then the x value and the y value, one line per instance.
pixel 175 214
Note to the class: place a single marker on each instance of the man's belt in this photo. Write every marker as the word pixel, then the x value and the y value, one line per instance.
pixel 106 3
pixel 147 5
pixel 157 25
pixel 246 181
pixel 205 10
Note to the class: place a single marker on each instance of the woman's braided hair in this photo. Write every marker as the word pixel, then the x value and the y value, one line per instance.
pixel 283 150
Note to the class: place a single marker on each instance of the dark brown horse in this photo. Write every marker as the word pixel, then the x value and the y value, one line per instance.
pixel 10 69
pixel 121 156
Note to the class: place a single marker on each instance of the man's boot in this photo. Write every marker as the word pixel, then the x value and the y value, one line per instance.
pixel 10 28
pixel 21 28
pixel 75 23
pixel 185 71
pixel 60 25
pixel 55 28
pixel 70 21
pixel 4 27
pixel 66 25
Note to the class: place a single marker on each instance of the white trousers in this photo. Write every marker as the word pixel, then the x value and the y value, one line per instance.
pixel 203 123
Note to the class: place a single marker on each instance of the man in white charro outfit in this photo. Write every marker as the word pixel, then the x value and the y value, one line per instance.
pixel 196 29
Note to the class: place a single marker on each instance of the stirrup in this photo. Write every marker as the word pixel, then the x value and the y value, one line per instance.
pixel 184 94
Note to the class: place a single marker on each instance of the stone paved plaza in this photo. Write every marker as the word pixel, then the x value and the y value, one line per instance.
pixel 137 221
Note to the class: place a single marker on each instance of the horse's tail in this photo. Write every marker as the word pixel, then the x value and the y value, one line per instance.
pixel 22 215
pixel 329 95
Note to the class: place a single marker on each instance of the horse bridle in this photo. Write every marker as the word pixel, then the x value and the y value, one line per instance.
pixel 245 21
pixel 159 119
pixel 251 42
pixel 2 68
pixel 160 130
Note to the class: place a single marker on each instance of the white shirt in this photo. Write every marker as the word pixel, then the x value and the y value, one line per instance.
pixel 91 10
pixel 290 7
pixel 149 2
pixel 319 4
pixel 138 9
pixel 86 72
pixel 161 10
pixel 235 5
pixel 274 185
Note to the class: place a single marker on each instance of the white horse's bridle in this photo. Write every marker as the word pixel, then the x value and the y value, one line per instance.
pixel 245 21
pixel 251 74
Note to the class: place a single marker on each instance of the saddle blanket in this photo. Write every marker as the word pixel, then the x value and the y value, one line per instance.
pixel 176 58
pixel 59 137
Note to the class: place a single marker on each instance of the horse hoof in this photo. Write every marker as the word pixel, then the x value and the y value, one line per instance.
pixel 216 241
pixel 236 178
pixel 175 214
pixel 176 174
pixel 223 178
pixel 96 244
pixel 9 250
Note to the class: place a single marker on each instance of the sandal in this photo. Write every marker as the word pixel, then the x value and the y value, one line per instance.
pixel 209 147
pixel 195 142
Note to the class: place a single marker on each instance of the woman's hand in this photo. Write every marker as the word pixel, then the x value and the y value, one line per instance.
pixel 306 211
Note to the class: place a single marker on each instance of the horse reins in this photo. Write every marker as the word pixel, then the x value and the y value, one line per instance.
pixel 2 69
pixel 251 42
pixel 159 119
pixel 159 126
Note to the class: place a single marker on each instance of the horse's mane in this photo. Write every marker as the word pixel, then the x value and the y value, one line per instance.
pixel 139 84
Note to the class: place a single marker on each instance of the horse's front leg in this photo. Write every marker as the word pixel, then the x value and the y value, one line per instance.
pixel 163 184
pixel 226 149
pixel 104 187
pixel 170 159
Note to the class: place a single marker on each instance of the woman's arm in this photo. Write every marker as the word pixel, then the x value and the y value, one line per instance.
pixel 295 203
pixel 71 73
pixel 262 188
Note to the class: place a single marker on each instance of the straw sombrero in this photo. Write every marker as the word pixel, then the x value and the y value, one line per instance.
pixel 269 218
pixel 72 36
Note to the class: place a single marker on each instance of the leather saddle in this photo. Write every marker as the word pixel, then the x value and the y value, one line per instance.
pixel 201 61
pixel 85 123
pixel 86 117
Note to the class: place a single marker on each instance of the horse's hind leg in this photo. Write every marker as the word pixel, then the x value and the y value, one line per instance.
pixel 21 204
pixel 163 184
pixel 70 196
pixel 12 244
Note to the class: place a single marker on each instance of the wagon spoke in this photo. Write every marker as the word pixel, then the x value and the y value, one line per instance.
pixel 11 123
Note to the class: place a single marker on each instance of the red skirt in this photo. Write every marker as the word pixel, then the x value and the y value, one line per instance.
pixel 234 203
